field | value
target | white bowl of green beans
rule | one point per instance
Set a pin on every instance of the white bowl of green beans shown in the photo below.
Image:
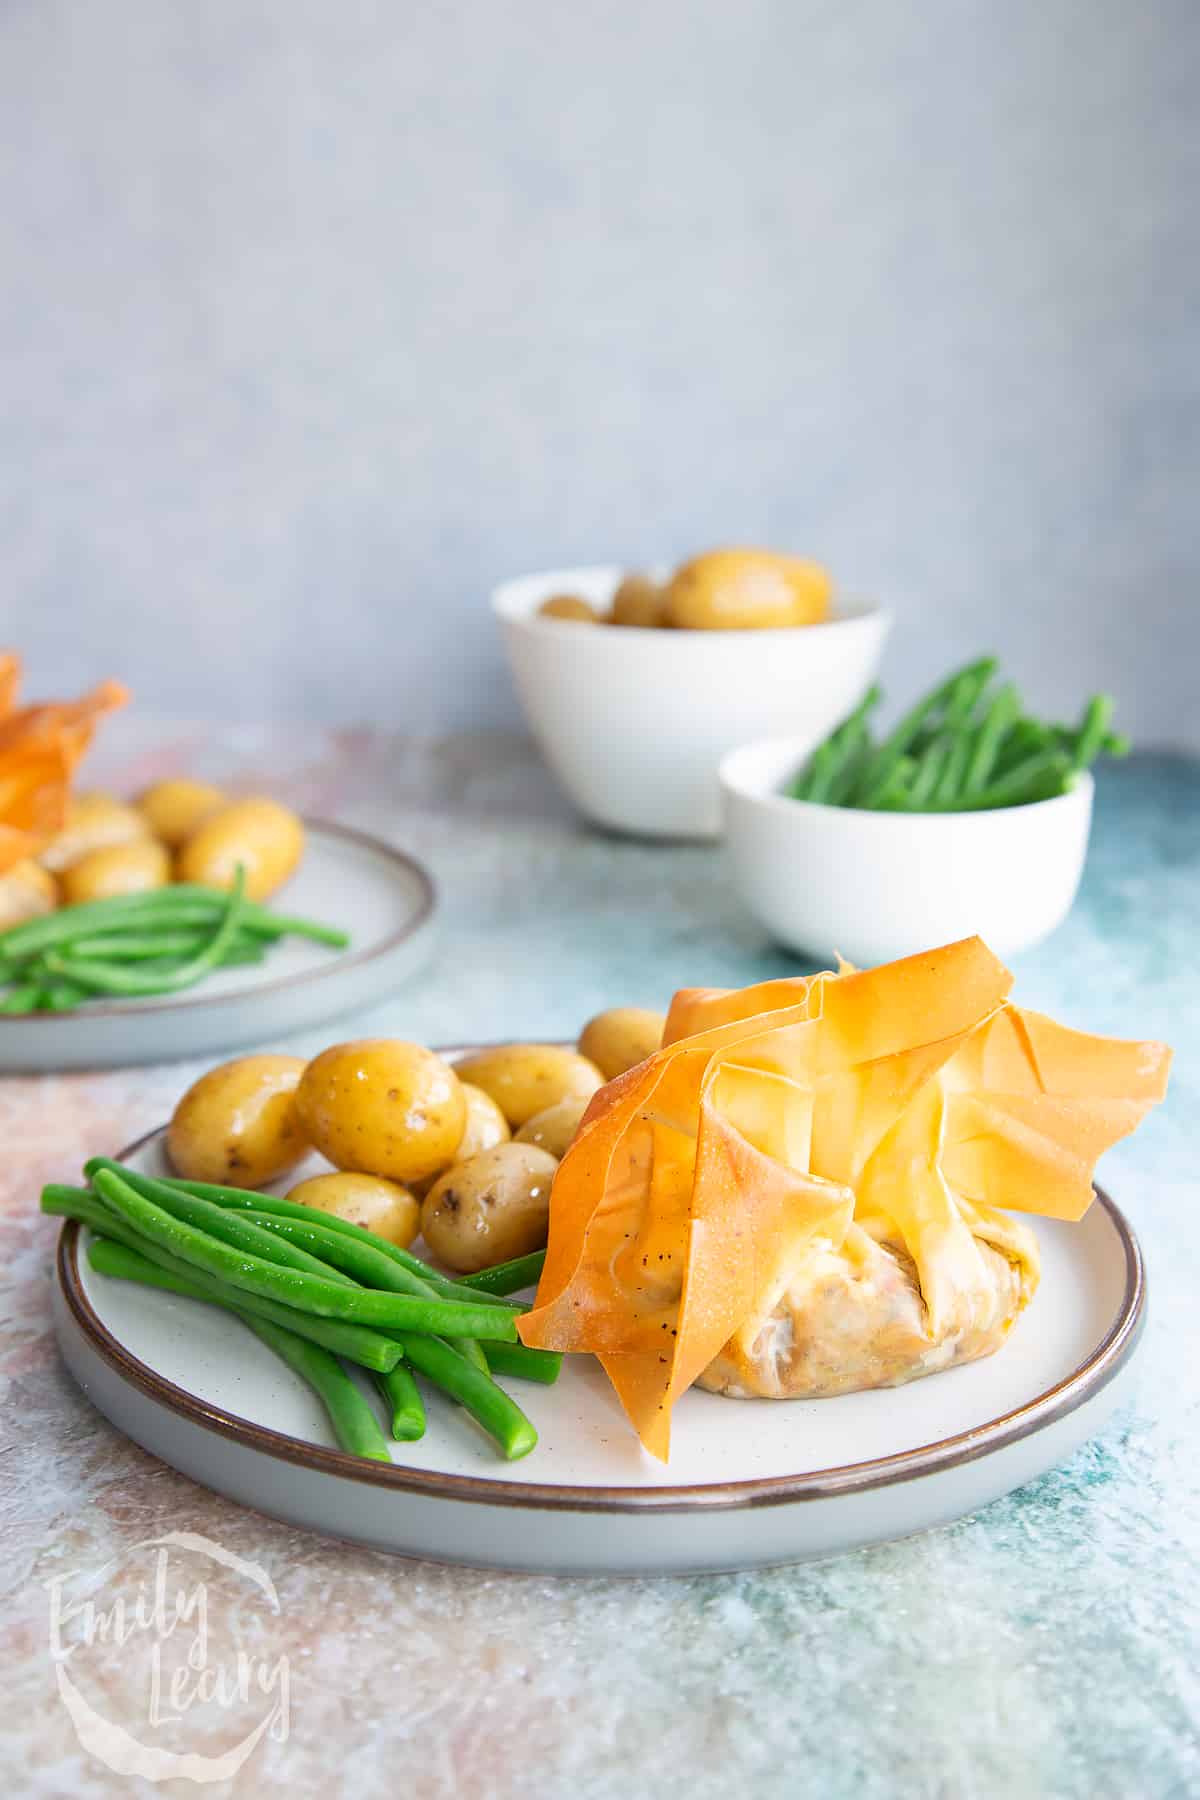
(967, 817)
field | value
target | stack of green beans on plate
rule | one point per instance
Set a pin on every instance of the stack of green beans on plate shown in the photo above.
(140, 945)
(967, 746)
(318, 1291)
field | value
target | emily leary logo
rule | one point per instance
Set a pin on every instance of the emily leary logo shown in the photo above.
(180, 1677)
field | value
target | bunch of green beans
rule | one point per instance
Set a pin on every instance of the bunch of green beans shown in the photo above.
(135, 945)
(316, 1288)
(966, 746)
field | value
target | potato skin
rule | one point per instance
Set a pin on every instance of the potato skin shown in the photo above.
(489, 1208)
(265, 837)
(175, 809)
(639, 600)
(237, 1125)
(747, 590)
(554, 1129)
(133, 868)
(383, 1207)
(27, 891)
(95, 821)
(569, 606)
(381, 1106)
(524, 1079)
(621, 1038)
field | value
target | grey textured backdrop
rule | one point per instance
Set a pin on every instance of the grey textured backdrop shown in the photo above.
(316, 318)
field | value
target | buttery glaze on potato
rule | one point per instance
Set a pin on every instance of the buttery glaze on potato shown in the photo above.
(554, 1129)
(524, 1079)
(383, 1107)
(238, 1124)
(133, 868)
(175, 809)
(95, 821)
(569, 606)
(489, 1208)
(381, 1206)
(621, 1038)
(265, 837)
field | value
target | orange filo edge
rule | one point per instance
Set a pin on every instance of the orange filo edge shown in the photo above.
(776, 1114)
(40, 747)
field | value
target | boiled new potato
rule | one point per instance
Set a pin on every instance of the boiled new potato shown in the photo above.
(95, 821)
(554, 1129)
(174, 809)
(383, 1207)
(639, 601)
(383, 1107)
(486, 1125)
(620, 1038)
(746, 590)
(26, 892)
(132, 868)
(265, 837)
(237, 1125)
(524, 1079)
(569, 606)
(492, 1207)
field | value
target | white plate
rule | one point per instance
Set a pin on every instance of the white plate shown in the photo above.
(750, 1483)
(383, 898)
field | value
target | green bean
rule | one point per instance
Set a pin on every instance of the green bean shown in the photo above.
(181, 904)
(928, 774)
(524, 1362)
(156, 946)
(950, 781)
(967, 679)
(354, 1424)
(403, 1400)
(478, 1393)
(829, 758)
(1042, 776)
(241, 1199)
(113, 978)
(506, 1277)
(999, 717)
(23, 998)
(309, 1293)
(1092, 731)
(233, 1228)
(374, 1350)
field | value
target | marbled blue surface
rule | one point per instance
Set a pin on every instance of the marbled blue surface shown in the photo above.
(1043, 1648)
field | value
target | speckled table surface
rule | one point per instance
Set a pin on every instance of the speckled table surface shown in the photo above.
(1046, 1646)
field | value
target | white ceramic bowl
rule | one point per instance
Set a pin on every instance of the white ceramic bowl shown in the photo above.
(634, 722)
(874, 885)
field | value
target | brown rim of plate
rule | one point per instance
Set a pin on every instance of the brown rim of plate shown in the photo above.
(1092, 1375)
(339, 960)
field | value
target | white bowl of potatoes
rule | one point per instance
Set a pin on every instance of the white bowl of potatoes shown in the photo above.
(635, 686)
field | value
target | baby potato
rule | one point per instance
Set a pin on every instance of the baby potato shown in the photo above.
(266, 838)
(524, 1079)
(554, 1129)
(27, 891)
(383, 1107)
(746, 590)
(383, 1207)
(620, 1038)
(174, 809)
(132, 868)
(95, 821)
(639, 601)
(486, 1125)
(569, 606)
(237, 1125)
(489, 1208)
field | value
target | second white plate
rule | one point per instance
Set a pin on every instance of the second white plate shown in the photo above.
(383, 898)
